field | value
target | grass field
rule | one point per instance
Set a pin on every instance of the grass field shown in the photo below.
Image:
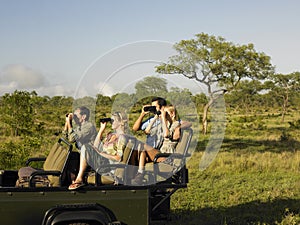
(254, 179)
(252, 188)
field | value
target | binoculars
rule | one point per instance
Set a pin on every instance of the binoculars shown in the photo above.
(103, 120)
(151, 109)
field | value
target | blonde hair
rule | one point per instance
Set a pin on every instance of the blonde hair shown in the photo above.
(122, 118)
(172, 109)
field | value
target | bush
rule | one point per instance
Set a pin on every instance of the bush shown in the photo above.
(295, 125)
(290, 219)
(285, 136)
(14, 153)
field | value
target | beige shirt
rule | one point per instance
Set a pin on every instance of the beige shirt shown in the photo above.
(169, 144)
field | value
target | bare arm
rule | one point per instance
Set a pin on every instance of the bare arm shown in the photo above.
(147, 130)
(136, 126)
(165, 123)
(138, 122)
(174, 132)
(176, 135)
(68, 125)
(100, 134)
(111, 157)
(185, 124)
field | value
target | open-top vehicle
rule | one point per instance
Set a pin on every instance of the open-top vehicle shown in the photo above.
(43, 197)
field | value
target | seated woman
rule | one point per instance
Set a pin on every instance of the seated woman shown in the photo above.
(111, 148)
(171, 132)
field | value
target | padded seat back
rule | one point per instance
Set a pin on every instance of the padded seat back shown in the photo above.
(57, 161)
(54, 171)
(56, 158)
(174, 163)
(122, 171)
(182, 148)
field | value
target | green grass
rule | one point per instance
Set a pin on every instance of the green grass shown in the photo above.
(250, 188)
(255, 178)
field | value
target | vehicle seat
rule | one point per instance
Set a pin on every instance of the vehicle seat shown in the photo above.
(173, 168)
(54, 171)
(123, 171)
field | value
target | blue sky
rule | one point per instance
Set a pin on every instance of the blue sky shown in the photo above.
(53, 46)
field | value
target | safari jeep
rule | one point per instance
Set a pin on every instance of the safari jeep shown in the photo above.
(43, 197)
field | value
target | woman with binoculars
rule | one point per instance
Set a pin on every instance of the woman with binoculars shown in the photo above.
(109, 147)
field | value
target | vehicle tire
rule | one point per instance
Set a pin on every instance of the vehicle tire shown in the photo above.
(79, 224)
(85, 223)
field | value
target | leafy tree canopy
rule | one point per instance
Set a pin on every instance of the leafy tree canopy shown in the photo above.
(151, 86)
(17, 112)
(213, 60)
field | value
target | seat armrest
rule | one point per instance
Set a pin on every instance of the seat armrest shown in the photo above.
(176, 156)
(40, 159)
(171, 155)
(160, 155)
(42, 173)
(110, 166)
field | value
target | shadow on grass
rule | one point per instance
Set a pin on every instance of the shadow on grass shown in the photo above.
(290, 145)
(250, 213)
(249, 145)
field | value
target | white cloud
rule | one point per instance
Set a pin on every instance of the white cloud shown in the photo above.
(22, 77)
(55, 90)
(8, 87)
(104, 89)
(85, 89)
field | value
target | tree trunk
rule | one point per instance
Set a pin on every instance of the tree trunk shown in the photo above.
(284, 106)
(205, 113)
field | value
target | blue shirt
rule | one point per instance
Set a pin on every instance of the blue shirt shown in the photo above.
(155, 137)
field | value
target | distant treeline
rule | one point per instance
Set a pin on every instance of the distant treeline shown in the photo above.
(30, 123)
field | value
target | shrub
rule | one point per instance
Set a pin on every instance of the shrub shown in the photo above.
(14, 153)
(294, 125)
(290, 219)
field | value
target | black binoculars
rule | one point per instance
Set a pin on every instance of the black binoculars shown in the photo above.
(151, 109)
(103, 120)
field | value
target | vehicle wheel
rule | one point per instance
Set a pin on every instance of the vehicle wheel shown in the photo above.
(88, 223)
(79, 224)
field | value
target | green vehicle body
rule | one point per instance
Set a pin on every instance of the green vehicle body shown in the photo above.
(30, 207)
(127, 204)
(104, 204)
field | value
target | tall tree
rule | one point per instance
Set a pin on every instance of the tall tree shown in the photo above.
(282, 86)
(215, 62)
(151, 86)
(122, 102)
(245, 96)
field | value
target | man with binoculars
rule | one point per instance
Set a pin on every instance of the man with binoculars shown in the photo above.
(152, 127)
(85, 132)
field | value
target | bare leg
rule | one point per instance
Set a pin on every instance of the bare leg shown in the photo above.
(82, 167)
(150, 152)
(142, 160)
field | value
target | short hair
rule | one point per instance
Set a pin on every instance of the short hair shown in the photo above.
(161, 101)
(85, 111)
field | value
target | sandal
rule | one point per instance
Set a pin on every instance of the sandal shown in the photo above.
(76, 185)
